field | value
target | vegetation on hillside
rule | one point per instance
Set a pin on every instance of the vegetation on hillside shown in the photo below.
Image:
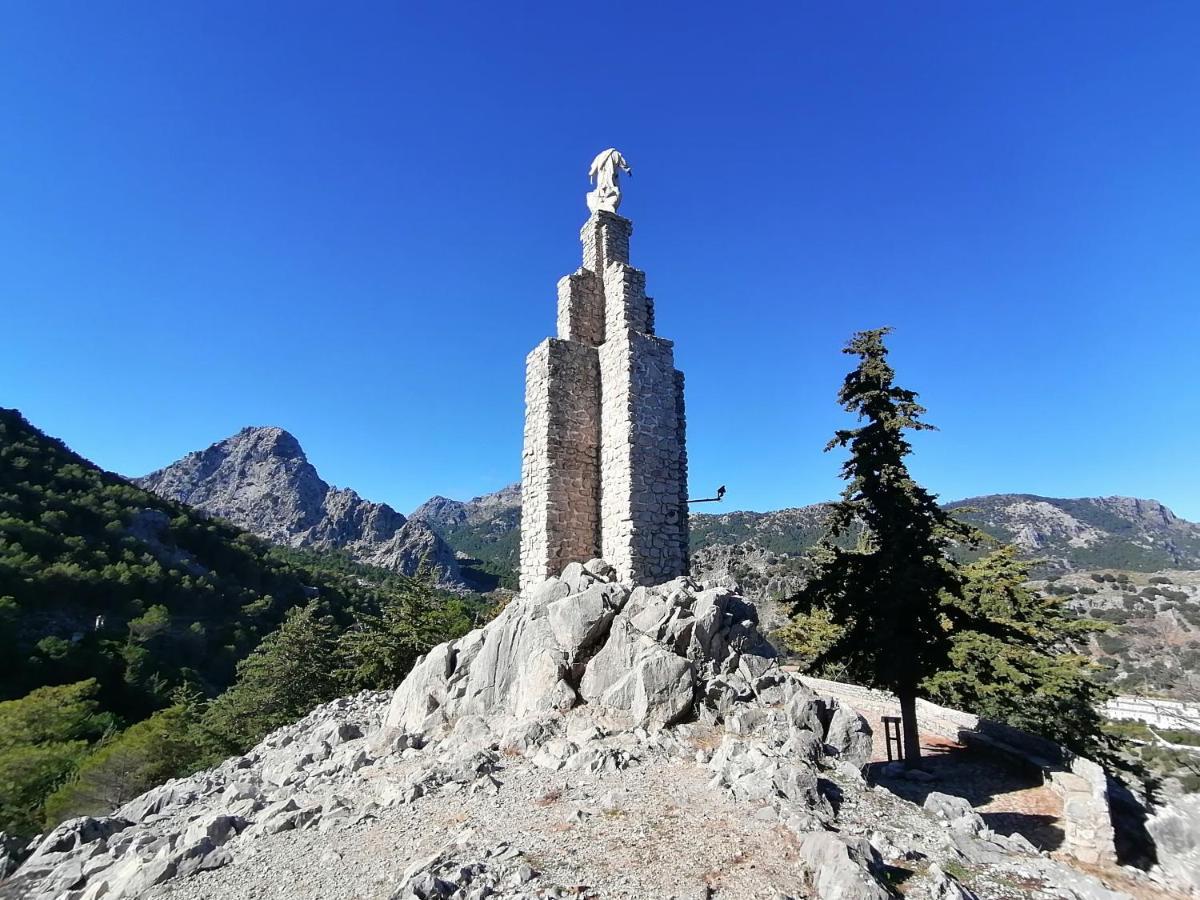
(1152, 645)
(126, 611)
(1163, 753)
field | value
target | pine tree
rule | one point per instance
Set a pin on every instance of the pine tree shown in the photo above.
(893, 592)
(287, 675)
(1013, 659)
(43, 736)
(379, 650)
(169, 744)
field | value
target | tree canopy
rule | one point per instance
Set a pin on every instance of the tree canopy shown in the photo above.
(1013, 658)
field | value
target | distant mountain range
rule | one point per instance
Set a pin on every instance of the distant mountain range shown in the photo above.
(1064, 534)
(261, 480)
(1090, 532)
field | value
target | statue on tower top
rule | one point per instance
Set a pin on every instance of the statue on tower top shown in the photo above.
(605, 173)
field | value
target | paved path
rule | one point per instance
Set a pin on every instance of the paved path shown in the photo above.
(1009, 798)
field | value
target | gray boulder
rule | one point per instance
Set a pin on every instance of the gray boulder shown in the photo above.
(850, 736)
(957, 811)
(806, 712)
(659, 691)
(579, 622)
(944, 886)
(75, 833)
(1175, 829)
(842, 868)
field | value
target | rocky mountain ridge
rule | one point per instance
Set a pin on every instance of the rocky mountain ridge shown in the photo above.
(1063, 534)
(1088, 532)
(261, 480)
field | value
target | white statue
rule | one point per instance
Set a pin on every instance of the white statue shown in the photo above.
(604, 173)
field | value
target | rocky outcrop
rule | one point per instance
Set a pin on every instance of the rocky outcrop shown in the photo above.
(842, 869)
(538, 756)
(643, 656)
(261, 480)
(1175, 828)
(11, 853)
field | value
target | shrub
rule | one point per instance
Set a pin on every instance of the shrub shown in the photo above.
(1112, 644)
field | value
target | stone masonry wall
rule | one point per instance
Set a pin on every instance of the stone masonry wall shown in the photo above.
(681, 484)
(605, 239)
(581, 308)
(559, 466)
(604, 466)
(642, 532)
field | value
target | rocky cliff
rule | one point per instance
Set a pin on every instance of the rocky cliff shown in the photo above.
(261, 480)
(1089, 532)
(486, 528)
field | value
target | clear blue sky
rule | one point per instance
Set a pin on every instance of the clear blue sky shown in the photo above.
(348, 220)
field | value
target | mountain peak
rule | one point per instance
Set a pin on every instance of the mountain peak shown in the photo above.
(268, 439)
(261, 480)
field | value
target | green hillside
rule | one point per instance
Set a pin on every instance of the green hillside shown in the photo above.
(115, 604)
(102, 579)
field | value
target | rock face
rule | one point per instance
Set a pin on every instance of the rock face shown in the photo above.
(261, 480)
(592, 740)
(642, 656)
(1090, 532)
(501, 508)
(1176, 833)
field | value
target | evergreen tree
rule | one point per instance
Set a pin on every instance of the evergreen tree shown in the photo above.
(170, 744)
(1012, 659)
(43, 736)
(893, 592)
(287, 675)
(379, 650)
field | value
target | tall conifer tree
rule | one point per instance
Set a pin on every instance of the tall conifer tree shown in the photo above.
(893, 591)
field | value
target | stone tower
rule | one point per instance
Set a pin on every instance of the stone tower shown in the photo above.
(604, 468)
